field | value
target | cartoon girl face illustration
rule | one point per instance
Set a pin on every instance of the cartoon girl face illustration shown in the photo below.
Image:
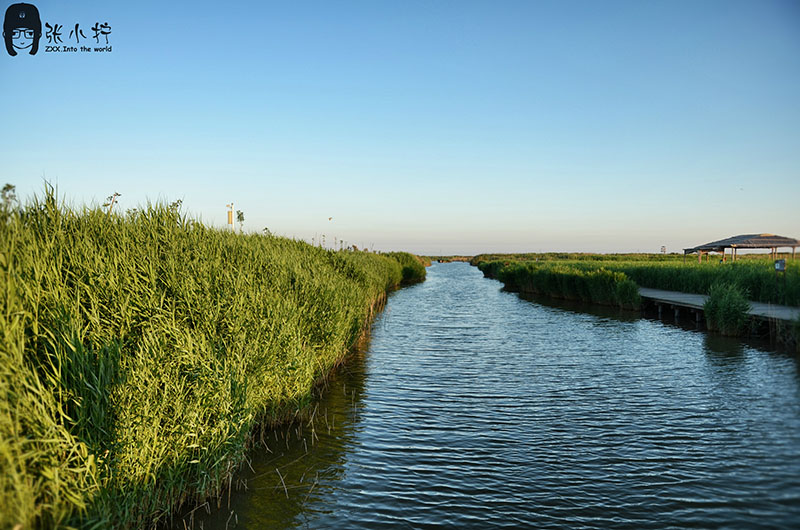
(22, 29)
(22, 38)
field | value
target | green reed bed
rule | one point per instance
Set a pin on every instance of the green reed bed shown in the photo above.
(138, 352)
(726, 309)
(574, 256)
(754, 275)
(731, 286)
(599, 286)
(629, 257)
(448, 259)
(413, 266)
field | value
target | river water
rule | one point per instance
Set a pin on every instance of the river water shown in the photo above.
(471, 407)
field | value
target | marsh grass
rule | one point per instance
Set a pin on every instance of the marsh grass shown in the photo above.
(139, 351)
(755, 275)
(616, 281)
(726, 309)
(413, 267)
(599, 286)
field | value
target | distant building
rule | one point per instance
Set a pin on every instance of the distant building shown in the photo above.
(749, 241)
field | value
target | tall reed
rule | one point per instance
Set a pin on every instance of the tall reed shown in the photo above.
(138, 352)
(726, 309)
(755, 275)
(413, 266)
(599, 286)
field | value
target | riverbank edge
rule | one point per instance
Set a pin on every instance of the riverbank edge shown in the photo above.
(275, 416)
(140, 351)
(413, 273)
(600, 287)
(276, 419)
(784, 334)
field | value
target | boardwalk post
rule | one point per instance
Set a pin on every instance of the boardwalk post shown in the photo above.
(695, 302)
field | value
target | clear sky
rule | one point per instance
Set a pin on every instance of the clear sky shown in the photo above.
(429, 126)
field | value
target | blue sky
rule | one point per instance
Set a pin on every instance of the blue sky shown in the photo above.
(430, 126)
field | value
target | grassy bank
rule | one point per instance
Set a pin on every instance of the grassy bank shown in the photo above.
(448, 259)
(614, 280)
(599, 286)
(754, 275)
(138, 352)
(413, 267)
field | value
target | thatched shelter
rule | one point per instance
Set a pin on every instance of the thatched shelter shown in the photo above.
(734, 243)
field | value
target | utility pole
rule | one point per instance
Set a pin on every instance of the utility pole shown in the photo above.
(230, 216)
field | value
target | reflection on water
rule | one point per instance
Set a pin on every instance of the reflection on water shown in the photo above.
(475, 408)
(721, 346)
(577, 306)
(725, 355)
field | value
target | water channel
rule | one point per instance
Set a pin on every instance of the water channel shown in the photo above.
(471, 407)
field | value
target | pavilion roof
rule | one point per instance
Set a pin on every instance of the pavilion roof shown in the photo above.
(746, 241)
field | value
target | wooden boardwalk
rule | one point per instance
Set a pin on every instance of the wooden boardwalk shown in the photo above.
(694, 302)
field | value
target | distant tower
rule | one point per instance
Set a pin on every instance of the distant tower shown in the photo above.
(230, 215)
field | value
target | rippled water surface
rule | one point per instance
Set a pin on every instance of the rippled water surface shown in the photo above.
(472, 407)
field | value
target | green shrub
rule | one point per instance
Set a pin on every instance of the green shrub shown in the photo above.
(726, 309)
